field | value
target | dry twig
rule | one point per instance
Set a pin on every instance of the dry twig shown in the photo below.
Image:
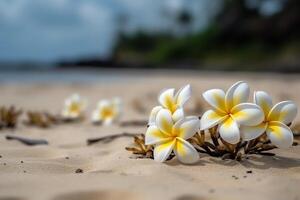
(27, 141)
(109, 138)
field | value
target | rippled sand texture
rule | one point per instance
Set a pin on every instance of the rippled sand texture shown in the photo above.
(110, 172)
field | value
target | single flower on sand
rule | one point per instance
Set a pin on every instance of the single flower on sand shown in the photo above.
(230, 110)
(107, 111)
(168, 135)
(275, 122)
(173, 102)
(74, 107)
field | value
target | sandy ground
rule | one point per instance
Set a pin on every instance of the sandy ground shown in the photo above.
(110, 172)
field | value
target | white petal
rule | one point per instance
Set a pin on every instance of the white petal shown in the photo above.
(103, 103)
(75, 97)
(68, 102)
(185, 152)
(167, 100)
(186, 128)
(280, 134)
(183, 95)
(117, 104)
(215, 98)
(162, 151)
(96, 117)
(284, 112)
(117, 101)
(108, 121)
(262, 99)
(164, 121)
(154, 136)
(252, 132)
(236, 94)
(247, 114)
(153, 114)
(178, 114)
(229, 131)
(210, 119)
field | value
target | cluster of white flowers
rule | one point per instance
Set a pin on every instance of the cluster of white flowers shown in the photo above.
(236, 119)
(106, 112)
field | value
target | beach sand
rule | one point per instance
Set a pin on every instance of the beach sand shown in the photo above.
(110, 172)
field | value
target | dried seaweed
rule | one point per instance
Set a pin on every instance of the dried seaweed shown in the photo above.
(9, 117)
(144, 151)
(42, 119)
(296, 130)
(217, 147)
(71, 120)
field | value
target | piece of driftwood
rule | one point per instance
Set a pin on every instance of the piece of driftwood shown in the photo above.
(109, 138)
(27, 141)
(134, 123)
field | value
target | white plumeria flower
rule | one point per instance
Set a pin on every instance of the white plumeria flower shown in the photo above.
(74, 107)
(173, 102)
(276, 118)
(168, 135)
(107, 111)
(230, 111)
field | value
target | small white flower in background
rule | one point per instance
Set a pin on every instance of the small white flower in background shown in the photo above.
(229, 111)
(74, 107)
(275, 122)
(168, 135)
(107, 111)
(173, 102)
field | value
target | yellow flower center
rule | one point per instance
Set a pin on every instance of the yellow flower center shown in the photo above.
(107, 112)
(74, 108)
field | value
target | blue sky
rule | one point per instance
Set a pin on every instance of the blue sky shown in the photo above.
(49, 30)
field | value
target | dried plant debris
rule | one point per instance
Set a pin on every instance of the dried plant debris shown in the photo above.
(109, 138)
(71, 120)
(42, 119)
(27, 141)
(296, 129)
(144, 151)
(9, 117)
(217, 147)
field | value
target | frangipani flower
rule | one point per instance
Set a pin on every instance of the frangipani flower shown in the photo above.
(275, 120)
(74, 107)
(173, 102)
(107, 111)
(168, 135)
(230, 111)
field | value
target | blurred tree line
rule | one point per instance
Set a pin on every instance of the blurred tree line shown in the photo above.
(240, 37)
